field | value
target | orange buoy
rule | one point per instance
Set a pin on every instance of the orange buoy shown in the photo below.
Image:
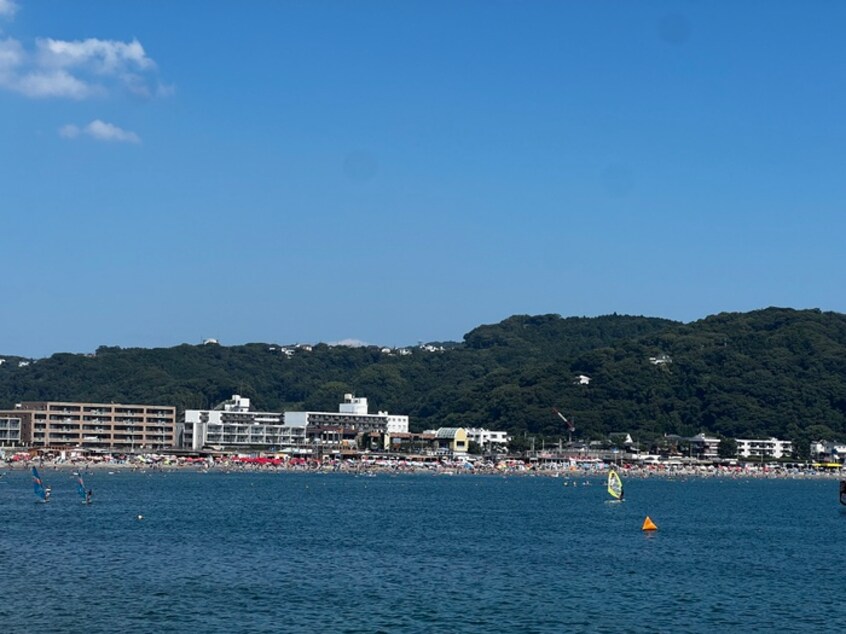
(649, 525)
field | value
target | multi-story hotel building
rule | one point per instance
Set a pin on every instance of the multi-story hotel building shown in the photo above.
(233, 425)
(65, 425)
(352, 414)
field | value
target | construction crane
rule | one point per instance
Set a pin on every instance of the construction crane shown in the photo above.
(570, 426)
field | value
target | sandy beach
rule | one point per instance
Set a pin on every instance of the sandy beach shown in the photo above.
(443, 467)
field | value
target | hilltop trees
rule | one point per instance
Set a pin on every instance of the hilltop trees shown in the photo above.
(774, 372)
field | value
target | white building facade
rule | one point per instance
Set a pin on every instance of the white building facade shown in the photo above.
(233, 425)
(351, 414)
(488, 439)
(772, 448)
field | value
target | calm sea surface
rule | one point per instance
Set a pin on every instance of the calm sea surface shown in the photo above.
(293, 552)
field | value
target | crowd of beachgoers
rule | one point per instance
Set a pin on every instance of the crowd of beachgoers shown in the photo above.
(442, 466)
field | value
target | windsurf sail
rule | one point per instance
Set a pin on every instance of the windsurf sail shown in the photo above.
(615, 485)
(843, 492)
(80, 488)
(38, 485)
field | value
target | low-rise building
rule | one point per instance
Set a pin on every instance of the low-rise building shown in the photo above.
(487, 439)
(770, 448)
(331, 438)
(452, 440)
(828, 451)
(121, 426)
(705, 447)
(410, 443)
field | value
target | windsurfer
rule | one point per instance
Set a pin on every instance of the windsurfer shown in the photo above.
(47, 492)
(88, 496)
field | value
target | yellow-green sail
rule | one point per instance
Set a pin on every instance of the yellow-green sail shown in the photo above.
(615, 485)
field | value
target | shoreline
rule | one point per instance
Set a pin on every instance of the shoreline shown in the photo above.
(401, 467)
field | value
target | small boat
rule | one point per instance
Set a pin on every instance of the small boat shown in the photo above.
(843, 492)
(41, 492)
(615, 485)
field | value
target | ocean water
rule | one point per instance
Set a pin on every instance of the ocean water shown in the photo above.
(289, 552)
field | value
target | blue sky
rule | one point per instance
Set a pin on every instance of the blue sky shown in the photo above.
(394, 172)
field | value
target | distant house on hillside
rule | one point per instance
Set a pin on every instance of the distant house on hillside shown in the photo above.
(661, 359)
(428, 347)
(207, 342)
(581, 379)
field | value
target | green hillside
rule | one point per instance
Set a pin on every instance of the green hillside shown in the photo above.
(775, 372)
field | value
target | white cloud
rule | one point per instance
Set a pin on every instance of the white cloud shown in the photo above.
(106, 57)
(8, 8)
(350, 343)
(110, 132)
(101, 131)
(56, 83)
(11, 54)
(78, 69)
(69, 131)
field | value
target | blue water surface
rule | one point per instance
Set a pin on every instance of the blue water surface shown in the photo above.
(295, 552)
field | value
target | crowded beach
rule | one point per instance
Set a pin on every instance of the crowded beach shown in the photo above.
(432, 465)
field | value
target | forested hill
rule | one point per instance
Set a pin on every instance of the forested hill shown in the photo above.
(775, 372)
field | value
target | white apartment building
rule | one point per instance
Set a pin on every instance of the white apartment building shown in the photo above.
(762, 449)
(486, 438)
(352, 414)
(233, 425)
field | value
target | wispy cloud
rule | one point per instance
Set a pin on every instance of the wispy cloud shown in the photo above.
(350, 343)
(101, 131)
(8, 8)
(78, 69)
(57, 83)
